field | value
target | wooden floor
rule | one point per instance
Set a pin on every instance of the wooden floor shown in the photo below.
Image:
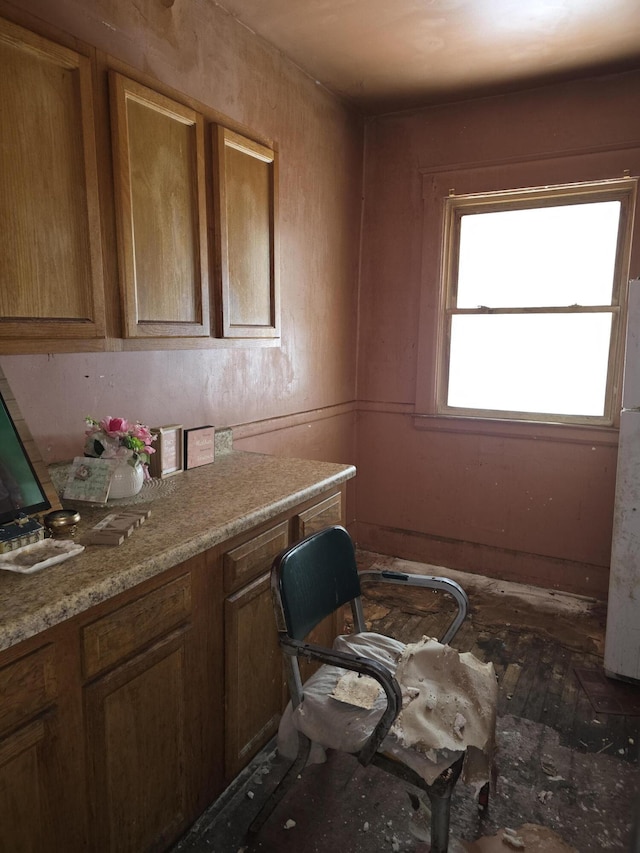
(560, 764)
(535, 651)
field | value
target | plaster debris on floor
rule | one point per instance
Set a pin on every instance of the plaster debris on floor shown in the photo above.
(450, 702)
(566, 777)
(530, 838)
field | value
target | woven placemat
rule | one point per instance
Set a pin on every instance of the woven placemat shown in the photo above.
(608, 695)
(151, 489)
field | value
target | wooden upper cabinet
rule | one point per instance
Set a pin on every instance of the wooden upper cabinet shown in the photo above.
(247, 240)
(158, 149)
(54, 294)
(51, 281)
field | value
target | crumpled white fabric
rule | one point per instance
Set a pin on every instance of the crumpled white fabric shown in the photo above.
(449, 707)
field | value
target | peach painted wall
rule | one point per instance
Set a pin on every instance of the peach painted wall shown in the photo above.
(199, 50)
(533, 506)
(529, 508)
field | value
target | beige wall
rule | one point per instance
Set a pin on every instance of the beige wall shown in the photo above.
(533, 506)
(200, 51)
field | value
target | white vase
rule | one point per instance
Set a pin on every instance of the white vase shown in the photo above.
(126, 481)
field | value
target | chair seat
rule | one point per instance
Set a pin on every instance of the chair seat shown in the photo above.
(449, 708)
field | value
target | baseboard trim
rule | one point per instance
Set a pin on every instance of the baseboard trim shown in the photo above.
(502, 564)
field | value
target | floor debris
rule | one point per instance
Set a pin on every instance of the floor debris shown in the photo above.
(549, 742)
(529, 837)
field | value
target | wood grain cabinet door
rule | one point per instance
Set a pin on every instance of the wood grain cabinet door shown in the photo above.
(255, 684)
(322, 514)
(25, 791)
(39, 806)
(137, 719)
(51, 277)
(158, 150)
(247, 237)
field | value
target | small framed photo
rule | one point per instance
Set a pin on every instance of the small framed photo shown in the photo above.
(89, 480)
(199, 448)
(167, 460)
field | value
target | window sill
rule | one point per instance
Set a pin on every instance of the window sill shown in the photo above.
(528, 430)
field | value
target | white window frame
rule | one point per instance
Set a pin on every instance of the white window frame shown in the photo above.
(456, 206)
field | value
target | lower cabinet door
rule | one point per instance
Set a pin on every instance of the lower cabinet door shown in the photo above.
(26, 786)
(322, 635)
(255, 687)
(137, 720)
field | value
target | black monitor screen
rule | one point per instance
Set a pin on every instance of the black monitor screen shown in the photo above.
(20, 489)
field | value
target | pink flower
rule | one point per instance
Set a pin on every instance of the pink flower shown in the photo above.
(118, 438)
(142, 432)
(114, 426)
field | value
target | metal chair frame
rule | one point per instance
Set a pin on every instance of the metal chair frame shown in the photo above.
(328, 558)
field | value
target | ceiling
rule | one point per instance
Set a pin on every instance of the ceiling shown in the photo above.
(387, 55)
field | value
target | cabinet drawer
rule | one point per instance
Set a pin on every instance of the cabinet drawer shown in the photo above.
(323, 514)
(27, 686)
(254, 557)
(118, 635)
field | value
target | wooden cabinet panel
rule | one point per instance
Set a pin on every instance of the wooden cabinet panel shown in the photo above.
(114, 726)
(322, 635)
(40, 807)
(23, 792)
(247, 237)
(37, 792)
(52, 285)
(51, 278)
(137, 720)
(53, 292)
(254, 557)
(255, 685)
(323, 514)
(158, 149)
(119, 634)
(255, 681)
(27, 686)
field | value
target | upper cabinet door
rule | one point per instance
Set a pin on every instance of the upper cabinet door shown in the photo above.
(158, 147)
(51, 283)
(246, 217)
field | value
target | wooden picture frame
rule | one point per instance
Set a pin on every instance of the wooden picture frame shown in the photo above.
(199, 446)
(29, 446)
(168, 459)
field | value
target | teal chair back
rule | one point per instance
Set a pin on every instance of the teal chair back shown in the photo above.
(315, 577)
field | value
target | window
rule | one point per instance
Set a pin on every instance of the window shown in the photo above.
(534, 287)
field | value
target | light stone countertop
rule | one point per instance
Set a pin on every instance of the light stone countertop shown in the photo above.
(199, 508)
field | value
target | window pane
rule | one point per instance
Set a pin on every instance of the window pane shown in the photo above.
(545, 256)
(546, 363)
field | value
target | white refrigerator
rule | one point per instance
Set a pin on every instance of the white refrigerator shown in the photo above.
(622, 643)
